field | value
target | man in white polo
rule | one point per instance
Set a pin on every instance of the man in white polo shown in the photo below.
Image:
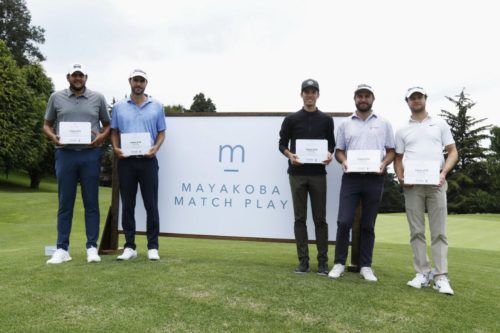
(421, 143)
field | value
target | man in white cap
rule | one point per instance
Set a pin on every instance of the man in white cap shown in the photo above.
(138, 116)
(363, 133)
(77, 162)
(420, 145)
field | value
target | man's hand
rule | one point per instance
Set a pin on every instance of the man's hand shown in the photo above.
(55, 139)
(402, 183)
(119, 153)
(152, 151)
(99, 139)
(294, 158)
(442, 179)
(329, 158)
(344, 165)
(381, 168)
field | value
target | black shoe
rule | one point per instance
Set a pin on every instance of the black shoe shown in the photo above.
(303, 267)
(323, 269)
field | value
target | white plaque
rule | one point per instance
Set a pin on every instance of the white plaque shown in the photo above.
(363, 160)
(135, 143)
(71, 132)
(417, 172)
(311, 151)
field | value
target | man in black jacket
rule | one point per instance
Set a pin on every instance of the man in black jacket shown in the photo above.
(308, 178)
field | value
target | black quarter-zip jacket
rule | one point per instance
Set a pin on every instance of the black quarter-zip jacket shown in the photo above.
(306, 125)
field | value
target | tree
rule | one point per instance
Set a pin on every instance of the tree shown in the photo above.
(14, 115)
(469, 183)
(174, 109)
(39, 154)
(495, 141)
(200, 104)
(466, 133)
(18, 33)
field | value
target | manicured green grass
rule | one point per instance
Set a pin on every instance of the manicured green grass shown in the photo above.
(471, 231)
(231, 286)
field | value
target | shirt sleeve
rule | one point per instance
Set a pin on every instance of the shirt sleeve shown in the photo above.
(446, 136)
(331, 136)
(161, 124)
(50, 110)
(103, 110)
(341, 140)
(284, 135)
(400, 145)
(114, 117)
(389, 136)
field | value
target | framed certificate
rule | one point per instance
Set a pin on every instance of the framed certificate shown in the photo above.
(363, 160)
(71, 132)
(135, 143)
(417, 172)
(311, 151)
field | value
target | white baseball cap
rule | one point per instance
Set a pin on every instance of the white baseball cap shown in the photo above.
(414, 90)
(363, 86)
(138, 72)
(77, 67)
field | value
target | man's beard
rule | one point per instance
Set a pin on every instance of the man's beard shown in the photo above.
(77, 89)
(364, 109)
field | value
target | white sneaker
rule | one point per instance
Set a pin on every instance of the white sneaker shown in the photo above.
(92, 255)
(419, 281)
(153, 254)
(127, 254)
(443, 285)
(367, 274)
(337, 271)
(59, 257)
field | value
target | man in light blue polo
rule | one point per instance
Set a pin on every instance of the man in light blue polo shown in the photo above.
(138, 115)
(77, 162)
(369, 136)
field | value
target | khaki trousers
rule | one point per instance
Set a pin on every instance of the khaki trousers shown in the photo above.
(417, 199)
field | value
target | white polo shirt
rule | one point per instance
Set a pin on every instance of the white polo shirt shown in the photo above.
(424, 140)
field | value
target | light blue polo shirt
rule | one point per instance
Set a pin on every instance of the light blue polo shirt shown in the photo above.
(374, 133)
(127, 117)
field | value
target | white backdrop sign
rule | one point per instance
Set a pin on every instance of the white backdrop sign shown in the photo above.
(224, 176)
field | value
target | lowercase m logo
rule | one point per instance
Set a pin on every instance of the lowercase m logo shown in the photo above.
(232, 154)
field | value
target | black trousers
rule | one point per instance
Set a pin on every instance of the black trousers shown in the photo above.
(143, 172)
(368, 188)
(315, 187)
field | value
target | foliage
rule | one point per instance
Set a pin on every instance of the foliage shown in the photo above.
(201, 104)
(466, 132)
(40, 152)
(18, 33)
(470, 183)
(174, 109)
(16, 122)
(392, 198)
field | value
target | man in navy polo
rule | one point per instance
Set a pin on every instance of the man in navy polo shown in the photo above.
(363, 131)
(138, 114)
(77, 162)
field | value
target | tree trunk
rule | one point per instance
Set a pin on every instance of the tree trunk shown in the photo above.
(35, 178)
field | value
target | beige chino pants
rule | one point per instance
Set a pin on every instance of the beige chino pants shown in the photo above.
(417, 199)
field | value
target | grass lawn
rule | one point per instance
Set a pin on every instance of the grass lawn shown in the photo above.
(231, 286)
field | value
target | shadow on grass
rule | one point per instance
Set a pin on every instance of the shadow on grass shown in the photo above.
(20, 183)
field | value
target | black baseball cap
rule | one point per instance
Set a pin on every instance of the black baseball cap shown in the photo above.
(310, 83)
